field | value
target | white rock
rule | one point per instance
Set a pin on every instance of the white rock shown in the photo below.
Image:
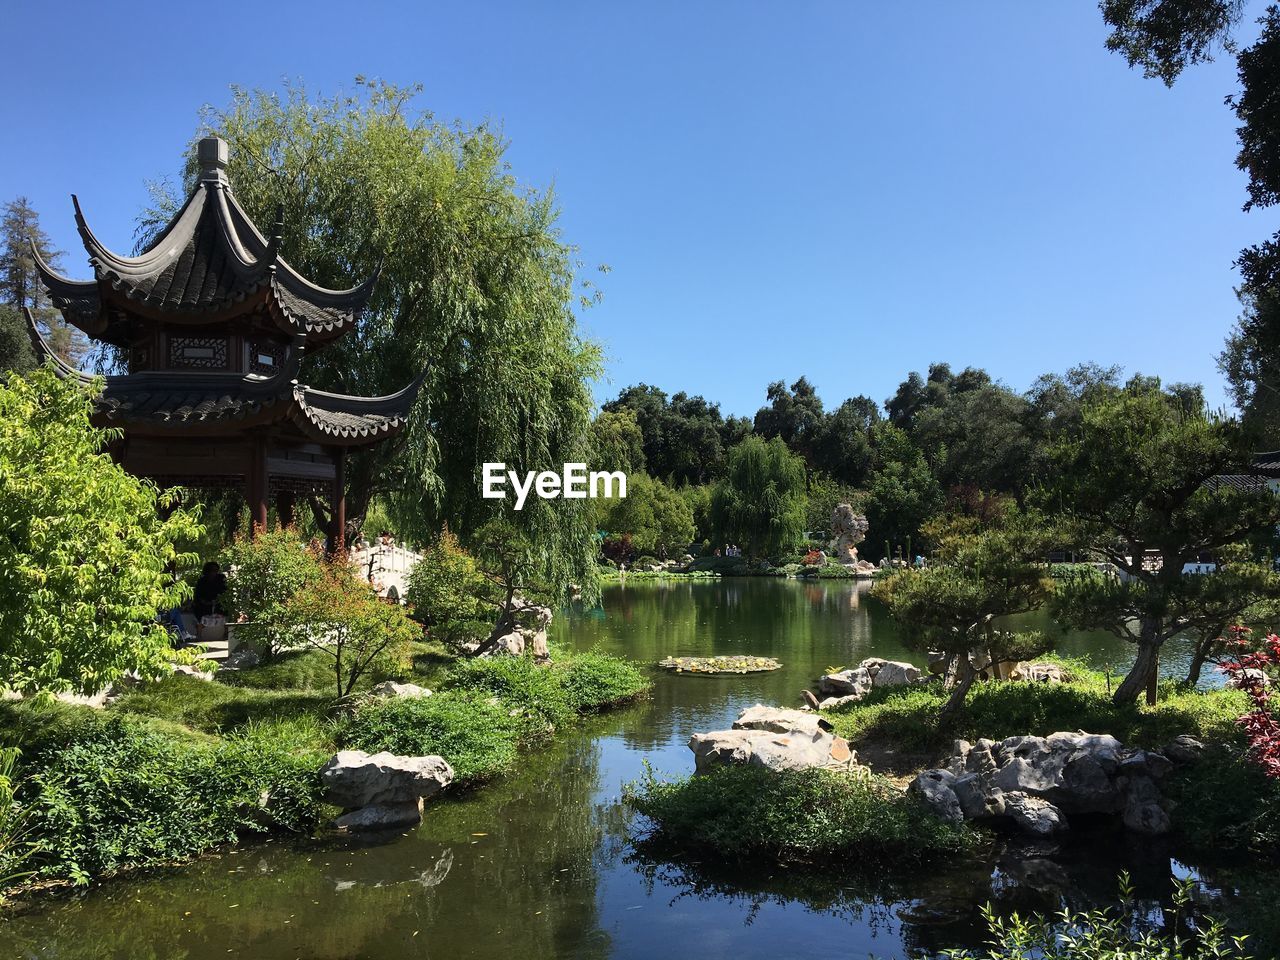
(895, 673)
(389, 689)
(766, 748)
(353, 778)
(778, 720)
(855, 682)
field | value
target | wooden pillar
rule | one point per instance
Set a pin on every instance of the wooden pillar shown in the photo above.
(284, 507)
(256, 486)
(338, 503)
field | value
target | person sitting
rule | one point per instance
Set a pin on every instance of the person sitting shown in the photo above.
(209, 588)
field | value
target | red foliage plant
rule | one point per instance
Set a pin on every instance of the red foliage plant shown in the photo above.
(812, 557)
(1254, 670)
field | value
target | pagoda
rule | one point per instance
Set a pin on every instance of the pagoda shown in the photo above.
(212, 324)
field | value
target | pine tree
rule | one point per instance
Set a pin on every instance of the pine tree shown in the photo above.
(20, 284)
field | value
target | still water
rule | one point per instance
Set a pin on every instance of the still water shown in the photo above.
(540, 865)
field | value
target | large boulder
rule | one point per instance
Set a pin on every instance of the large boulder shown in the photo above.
(1034, 815)
(774, 738)
(936, 789)
(891, 673)
(353, 778)
(854, 682)
(779, 720)
(1035, 782)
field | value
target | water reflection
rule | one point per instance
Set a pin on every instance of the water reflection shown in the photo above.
(539, 864)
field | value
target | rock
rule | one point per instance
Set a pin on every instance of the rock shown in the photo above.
(390, 690)
(1037, 781)
(382, 816)
(1147, 763)
(935, 788)
(510, 645)
(848, 529)
(241, 658)
(1143, 812)
(980, 759)
(977, 800)
(855, 682)
(835, 703)
(1183, 749)
(191, 670)
(779, 720)
(937, 662)
(353, 778)
(1033, 814)
(895, 673)
(766, 748)
(1037, 672)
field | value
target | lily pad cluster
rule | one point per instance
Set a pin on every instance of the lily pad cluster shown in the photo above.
(727, 664)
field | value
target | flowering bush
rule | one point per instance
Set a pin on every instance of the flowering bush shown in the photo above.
(1254, 671)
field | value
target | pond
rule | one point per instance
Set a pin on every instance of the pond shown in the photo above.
(539, 864)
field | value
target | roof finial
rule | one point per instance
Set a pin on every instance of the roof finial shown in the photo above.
(212, 154)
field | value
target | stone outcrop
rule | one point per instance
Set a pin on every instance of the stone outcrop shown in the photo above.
(390, 690)
(528, 634)
(870, 674)
(775, 738)
(1036, 783)
(848, 529)
(381, 790)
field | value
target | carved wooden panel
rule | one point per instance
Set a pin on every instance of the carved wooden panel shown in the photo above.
(198, 353)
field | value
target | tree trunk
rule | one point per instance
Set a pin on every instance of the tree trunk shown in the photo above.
(1142, 675)
(955, 702)
(1198, 659)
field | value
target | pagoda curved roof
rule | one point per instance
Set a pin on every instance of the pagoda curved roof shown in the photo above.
(209, 263)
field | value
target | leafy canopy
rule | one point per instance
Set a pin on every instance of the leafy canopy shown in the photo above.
(476, 286)
(85, 561)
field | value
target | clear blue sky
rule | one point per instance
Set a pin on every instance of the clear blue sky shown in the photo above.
(843, 190)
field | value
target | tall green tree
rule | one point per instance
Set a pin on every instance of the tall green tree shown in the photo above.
(760, 503)
(795, 414)
(842, 448)
(85, 560)
(1137, 484)
(657, 518)
(685, 437)
(16, 353)
(903, 495)
(20, 287)
(980, 572)
(617, 442)
(476, 286)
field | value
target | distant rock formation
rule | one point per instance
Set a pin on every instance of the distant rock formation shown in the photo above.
(848, 529)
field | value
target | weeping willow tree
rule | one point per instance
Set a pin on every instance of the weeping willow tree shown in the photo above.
(760, 504)
(476, 285)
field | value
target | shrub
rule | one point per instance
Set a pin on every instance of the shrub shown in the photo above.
(446, 585)
(596, 681)
(1130, 933)
(84, 560)
(535, 690)
(342, 616)
(265, 573)
(122, 795)
(748, 813)
(996, 709)
(472, 730)
(15, 845)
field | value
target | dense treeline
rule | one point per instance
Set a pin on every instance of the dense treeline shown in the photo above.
(945, 441)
